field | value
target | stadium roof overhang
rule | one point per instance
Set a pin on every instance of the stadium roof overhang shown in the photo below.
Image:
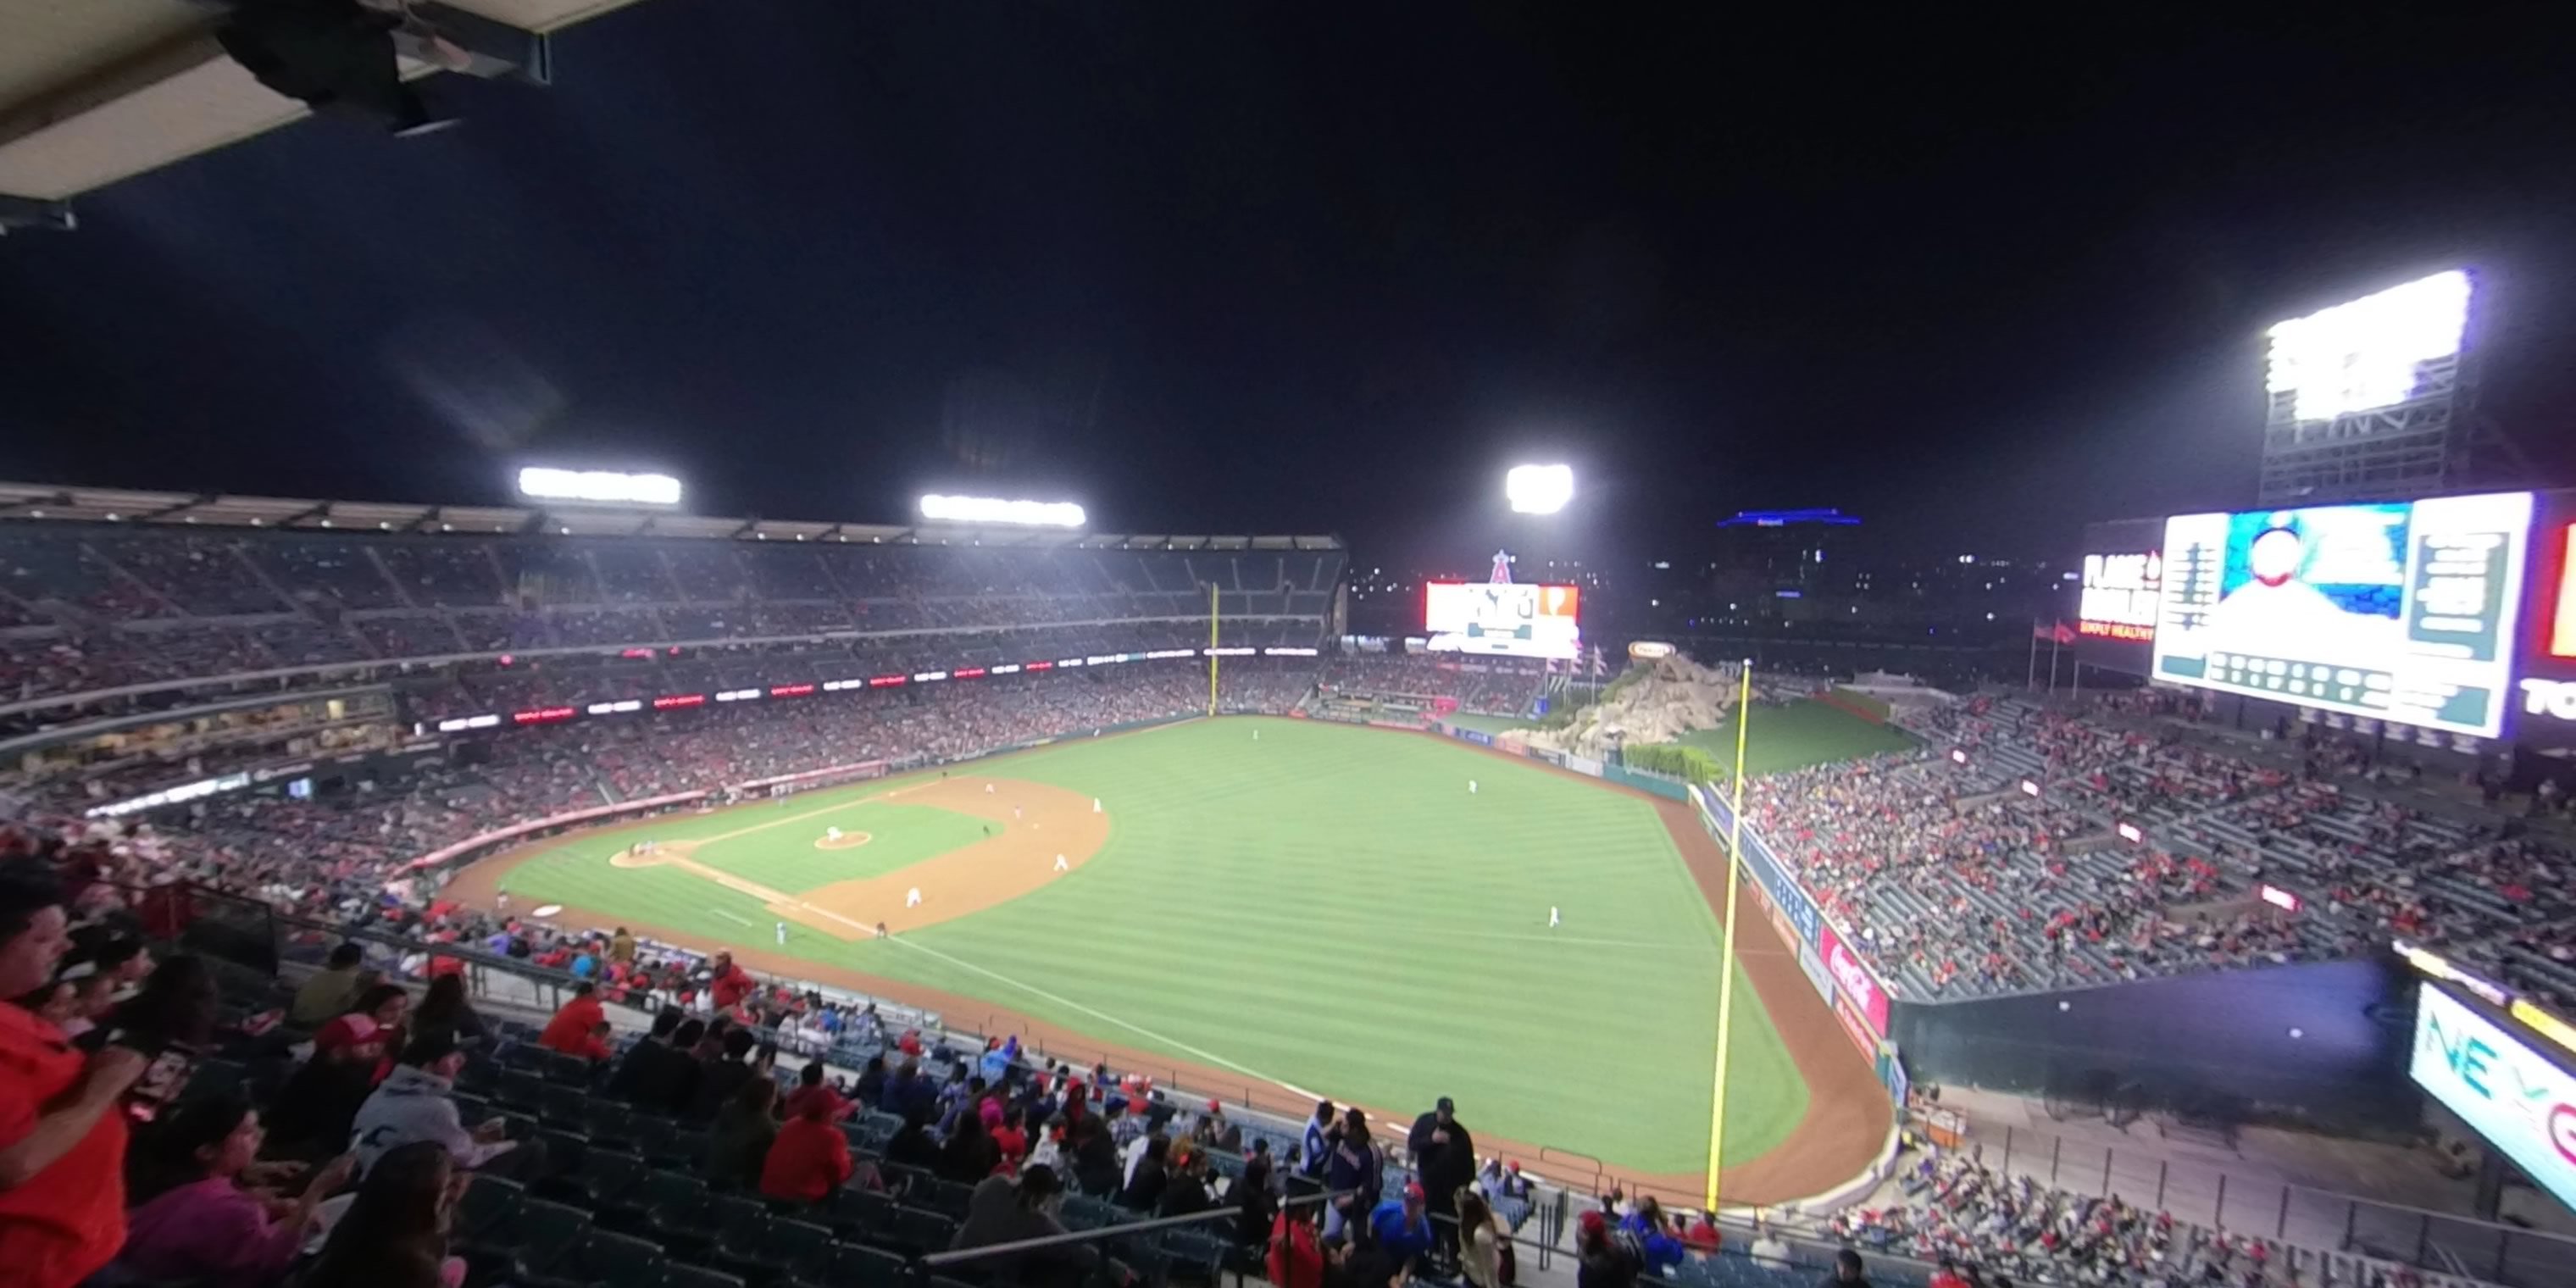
(94, 91)
(207, 509)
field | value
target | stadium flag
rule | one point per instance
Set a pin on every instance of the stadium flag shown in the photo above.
(1599, 667)
(2053, 632)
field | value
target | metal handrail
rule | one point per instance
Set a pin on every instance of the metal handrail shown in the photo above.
(1149, 1225)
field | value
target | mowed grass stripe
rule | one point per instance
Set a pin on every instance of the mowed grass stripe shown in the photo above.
(1354, 834)
(1330, 906)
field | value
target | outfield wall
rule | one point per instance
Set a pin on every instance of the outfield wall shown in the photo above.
(2220, 1042)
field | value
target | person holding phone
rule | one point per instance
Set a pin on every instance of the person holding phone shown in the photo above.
(62, 1143)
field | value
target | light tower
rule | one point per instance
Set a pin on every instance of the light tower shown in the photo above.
(2370, 399)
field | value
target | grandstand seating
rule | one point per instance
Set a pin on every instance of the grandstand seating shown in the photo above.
(86, 607)
(1960, 883)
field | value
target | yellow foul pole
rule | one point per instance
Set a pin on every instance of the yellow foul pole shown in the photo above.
(1726, 965)
(1212, 648)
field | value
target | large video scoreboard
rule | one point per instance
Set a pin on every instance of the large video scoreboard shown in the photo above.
(1512, 619)
(2396, 610)
(2454, 613)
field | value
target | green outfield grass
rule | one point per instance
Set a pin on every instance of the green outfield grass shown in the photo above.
(1325, 907)
(1805, 732)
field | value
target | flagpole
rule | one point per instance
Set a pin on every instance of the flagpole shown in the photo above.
(2052, 659)
(2030, 673)
(1726, 954)
(1212, 646)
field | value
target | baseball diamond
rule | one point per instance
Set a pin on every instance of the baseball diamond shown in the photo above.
(1227, 875)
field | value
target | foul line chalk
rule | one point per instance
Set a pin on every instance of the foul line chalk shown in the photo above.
(1138, 1029)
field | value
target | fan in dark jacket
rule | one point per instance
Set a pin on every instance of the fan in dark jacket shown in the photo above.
(745, 1129)
(1145, 1185)
(721, 1079)
(642, 1063)
(1445, 1155)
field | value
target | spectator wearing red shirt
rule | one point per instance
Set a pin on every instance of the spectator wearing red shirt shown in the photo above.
(810, 1158)
(812, 1090)
(570, 1029)
(1700, 1235)
(730, 985)
(62, 1138)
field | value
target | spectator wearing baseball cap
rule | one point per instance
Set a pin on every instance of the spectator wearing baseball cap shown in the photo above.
(313, 1112)
(1605, 1260)
(1215, 1131)
(1446, 1157)
(1402, 1227)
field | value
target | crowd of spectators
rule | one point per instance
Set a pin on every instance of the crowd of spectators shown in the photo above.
(156, 1132)
(335, 854)
(1493, 686)
(1956, 1211)
(93, 607)
(1992, 859)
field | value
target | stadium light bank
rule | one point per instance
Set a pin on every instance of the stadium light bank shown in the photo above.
(598, 487)
(1539, 489)
(987, 509)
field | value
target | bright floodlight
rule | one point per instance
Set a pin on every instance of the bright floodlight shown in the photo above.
(1539, 489)
(601, 486)
(2361, 355)
(986, 509)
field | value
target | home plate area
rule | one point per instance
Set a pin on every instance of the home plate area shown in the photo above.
(1039, 833)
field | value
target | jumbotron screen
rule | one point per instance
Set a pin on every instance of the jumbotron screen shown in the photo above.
(1512, 619)
(2399, 610)
(2123, 581)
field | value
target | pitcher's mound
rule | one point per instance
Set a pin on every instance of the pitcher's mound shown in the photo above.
(845, 841)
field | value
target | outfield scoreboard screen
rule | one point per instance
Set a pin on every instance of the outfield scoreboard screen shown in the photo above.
(2403, 611)
(1510, 619)
(2521, 1101)
(2122, 585)
(2545, 687)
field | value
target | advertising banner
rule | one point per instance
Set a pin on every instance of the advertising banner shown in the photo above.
(1789, 933)
(1860, 988)
(1583, 765)
(2521, 1101)
(1857, 1029)
(1787, 899)
(1817, 975)
(1477, 737)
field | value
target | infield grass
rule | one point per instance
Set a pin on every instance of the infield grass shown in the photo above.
(1325, 907)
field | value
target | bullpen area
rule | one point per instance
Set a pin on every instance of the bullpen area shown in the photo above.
(1281, 909)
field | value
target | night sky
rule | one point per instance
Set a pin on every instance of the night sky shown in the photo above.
(1230, 267)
